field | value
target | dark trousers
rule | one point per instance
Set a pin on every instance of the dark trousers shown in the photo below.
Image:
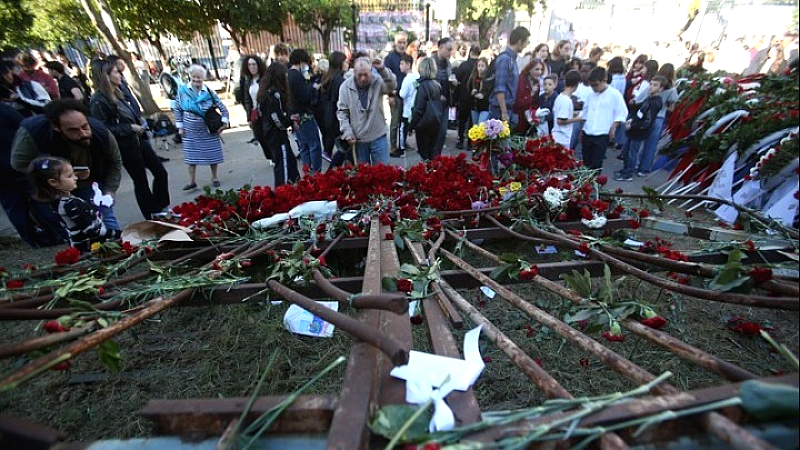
(285, 169)
(402, 134)
(463, 120)
(426, 140)
(15, 198)
(137, 160)
(439, 143)
(594, 150)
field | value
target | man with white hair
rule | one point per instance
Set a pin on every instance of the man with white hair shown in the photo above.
(360, 110)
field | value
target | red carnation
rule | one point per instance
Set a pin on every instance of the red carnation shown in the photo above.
(613, 337)
(751, 246)
(388, 236)
(404, 285)
(416, 319)
(69, 255)
(634, 224)
(644, 213)
(760, 274)
(746, 328)
(656, 322)
(487, 359)
(584, 248)
(602, 180)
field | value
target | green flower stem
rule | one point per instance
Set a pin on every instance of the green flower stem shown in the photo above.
(50, 364)
(266, 419)
(782, 350)
(401, 432)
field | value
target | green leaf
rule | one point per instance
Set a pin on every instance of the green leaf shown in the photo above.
(389, 284)
(498, 272)
(509, 257)
(389, 419)
(110, 355)
(398, 241)
(583, 314)
(652, 197)
(410, 269)
(581, 283)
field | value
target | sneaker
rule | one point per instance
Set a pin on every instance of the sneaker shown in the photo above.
(623, 178)
(326, 156)
(190, 187)
(397, 154)
(642, 174)
(216, 183)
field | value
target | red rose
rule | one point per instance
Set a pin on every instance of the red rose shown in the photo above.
(751, 246)
(746, 328)
(69, 255)
(388, 237)
(760, 274)
(634, 224)
(644, 213)
(14, 284)
(613, 337)
(404, 285)
(62, 366)
(416, 319)
(656, 322)
(602, 180)
(586, 213)
(54, 326)
(322, 261)
(487, 359)
(584, 248)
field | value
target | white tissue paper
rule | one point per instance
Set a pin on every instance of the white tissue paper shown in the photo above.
(299, 321)
(100, 199)
(433, 377)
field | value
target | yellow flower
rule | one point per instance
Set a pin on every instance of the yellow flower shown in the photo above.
(515, 186)
(506, 131)
(502, 191)
(477, 132)
(95, 246)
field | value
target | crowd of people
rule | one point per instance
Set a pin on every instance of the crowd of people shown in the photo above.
(55, 128)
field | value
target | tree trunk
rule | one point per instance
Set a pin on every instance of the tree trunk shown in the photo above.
(140, 88)
(213, 57)
(326, 39)
(160, 48)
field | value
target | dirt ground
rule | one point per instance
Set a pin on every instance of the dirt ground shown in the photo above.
(221, 351)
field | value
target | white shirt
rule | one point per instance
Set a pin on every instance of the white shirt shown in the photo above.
(601, 111)
(583, 91)
(408, 92)
(562, 109)
(253, 91)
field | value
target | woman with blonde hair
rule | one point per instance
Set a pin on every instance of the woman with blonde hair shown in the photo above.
(110, 106)
(200, 145)
(428, 90)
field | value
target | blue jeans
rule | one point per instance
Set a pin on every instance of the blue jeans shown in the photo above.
(310, 145)
(479, 116)
(631, 156)
(650, 146)
(574, 141)
(373, 152)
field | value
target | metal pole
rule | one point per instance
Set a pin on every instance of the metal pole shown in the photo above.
(354, 37)
(427, 22)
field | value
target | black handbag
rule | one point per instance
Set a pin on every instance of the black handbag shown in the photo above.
(432, 116)
(213, 118)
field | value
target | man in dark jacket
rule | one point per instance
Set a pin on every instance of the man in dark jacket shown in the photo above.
(392, 62)
(14, 186)
(445, 77)
(463, 71)
(66, 130)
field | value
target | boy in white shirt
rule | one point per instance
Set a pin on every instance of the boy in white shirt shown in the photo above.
(408, 92)
(563, 110)
(603, 112)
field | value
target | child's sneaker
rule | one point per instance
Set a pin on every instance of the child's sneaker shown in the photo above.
(622, 177)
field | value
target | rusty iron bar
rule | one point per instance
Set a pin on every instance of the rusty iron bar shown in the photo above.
(397, 304)
(464, 404)
(540, 377)
(444, 302)
(95, 338)
(42, 314)
(396, 352)
(36, 343)
(33, 302)
(718, 425)
(759, 301)
(660, 338)
(348, 430)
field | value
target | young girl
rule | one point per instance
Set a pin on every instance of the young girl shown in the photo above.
(273, 95)
(480, 101)
(53, 180)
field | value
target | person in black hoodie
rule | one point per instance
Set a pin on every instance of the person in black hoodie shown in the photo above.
(428, 91)
(110, 106)
(304, 98)
(273, 100)
(331, 82)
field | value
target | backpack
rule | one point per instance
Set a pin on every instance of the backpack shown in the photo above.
(642, 120)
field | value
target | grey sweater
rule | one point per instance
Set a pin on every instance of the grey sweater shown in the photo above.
(357, 122)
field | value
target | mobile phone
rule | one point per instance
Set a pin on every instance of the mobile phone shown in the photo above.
(80, 168)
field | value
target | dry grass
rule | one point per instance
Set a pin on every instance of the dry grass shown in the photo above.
(219, 351)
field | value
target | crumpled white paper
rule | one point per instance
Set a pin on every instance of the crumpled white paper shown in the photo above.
(100, 199)
(299, 321)
(316, 208)
(433, 377)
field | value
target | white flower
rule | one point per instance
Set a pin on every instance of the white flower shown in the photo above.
(596, 223)
(554, 197)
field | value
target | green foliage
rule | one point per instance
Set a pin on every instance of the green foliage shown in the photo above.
(243, 16)
(150, 19)
(391, 418)
(322, 16)
(17, 19)
(732, 276)
(110, 355)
